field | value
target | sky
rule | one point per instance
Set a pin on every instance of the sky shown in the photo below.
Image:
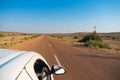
(59, 16)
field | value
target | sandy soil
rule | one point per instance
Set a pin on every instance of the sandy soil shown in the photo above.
(80, 63)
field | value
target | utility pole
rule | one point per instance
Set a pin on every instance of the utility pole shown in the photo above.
(94, 29)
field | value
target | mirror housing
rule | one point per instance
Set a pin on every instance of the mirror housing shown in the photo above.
(56, 69)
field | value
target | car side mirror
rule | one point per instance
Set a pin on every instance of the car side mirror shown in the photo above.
(56, 69)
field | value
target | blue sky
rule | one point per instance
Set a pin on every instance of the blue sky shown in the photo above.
(59, 16)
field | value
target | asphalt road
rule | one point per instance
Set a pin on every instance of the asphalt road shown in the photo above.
(80, 63)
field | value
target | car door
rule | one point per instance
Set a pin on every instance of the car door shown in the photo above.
(38, 69)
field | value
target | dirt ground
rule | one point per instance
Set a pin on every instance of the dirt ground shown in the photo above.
(80, 63)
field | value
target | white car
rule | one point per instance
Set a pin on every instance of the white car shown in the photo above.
(23, 65)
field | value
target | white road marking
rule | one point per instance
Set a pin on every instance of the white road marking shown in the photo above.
(57, 60)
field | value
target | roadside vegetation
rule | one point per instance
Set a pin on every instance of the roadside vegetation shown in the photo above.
(94, 40)
(102, 41)
(1, 35)
(10, 39)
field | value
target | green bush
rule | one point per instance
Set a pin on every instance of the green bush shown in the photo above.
(35, 36)
(96, 44)
(92, 36)
(76, 37)
(94, 41)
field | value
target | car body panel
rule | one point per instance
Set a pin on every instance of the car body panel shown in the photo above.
(29, 69)
(24, 76)
(19, 65)
(13, 64)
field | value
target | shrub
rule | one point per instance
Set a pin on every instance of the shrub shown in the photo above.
(1, 35)
(59, 37)
(35, 36)
(76, 37)
(115, 38)
(20, 41)
(105, 45)
(12, 38)
(118, 52)
(5, 43)
(96, 44)
(53, 35)
(92, 36)
(26, 38)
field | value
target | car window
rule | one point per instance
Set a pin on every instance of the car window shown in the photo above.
(42, 71)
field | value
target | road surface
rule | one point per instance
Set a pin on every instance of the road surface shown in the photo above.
(80, 63)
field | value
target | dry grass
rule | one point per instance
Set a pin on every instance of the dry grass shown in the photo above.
(10, 39)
